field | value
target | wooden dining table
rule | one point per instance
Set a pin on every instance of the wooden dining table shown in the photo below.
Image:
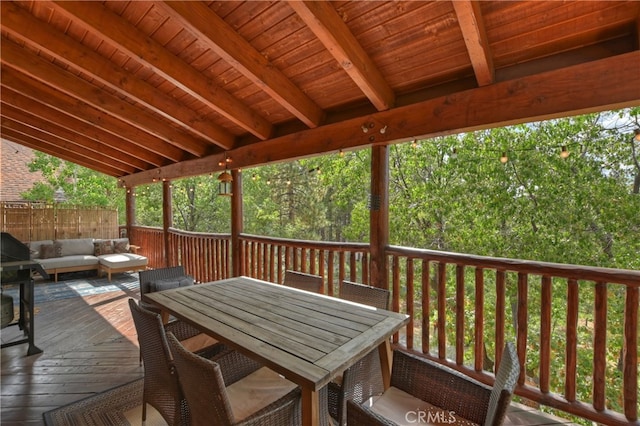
(308, 338)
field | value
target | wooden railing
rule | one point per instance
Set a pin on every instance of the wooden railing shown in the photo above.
(575, 327)
(268, 258)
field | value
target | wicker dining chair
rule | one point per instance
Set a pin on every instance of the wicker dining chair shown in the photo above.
(303, 281)
(213, 398)
(364, 378)
(447, 394)
(161, 389)
(150, 276)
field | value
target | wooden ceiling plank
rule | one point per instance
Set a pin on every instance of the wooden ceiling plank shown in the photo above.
(128, 39)
(40, 69)
(153, 150)
(126, 161)
(475, 38)
(56, 151)
(331, 30)
(63, 48)
(200, 20)
(40, 134)
(544, 96)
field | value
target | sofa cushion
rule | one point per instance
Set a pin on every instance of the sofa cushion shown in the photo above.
(122, 260)
(76, 246)
(169, 283)
(404, 409)
(34, 248)
(76, 260)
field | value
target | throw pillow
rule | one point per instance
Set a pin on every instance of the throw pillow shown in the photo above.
(48, 251)
(106, 247)
(121, 247)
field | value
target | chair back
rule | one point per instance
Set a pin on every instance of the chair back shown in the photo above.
(161, 388)
(203, 386)
(505, 382)
(302, 281)
(151, 275)
(365, 294)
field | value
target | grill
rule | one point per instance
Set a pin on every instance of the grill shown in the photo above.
(16, 268)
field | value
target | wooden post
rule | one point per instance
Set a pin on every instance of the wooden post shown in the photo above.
(236, 222)
(379, 215)
(167, 220)
(130, 209)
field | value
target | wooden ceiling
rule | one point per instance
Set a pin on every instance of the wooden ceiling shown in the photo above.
(142, 90)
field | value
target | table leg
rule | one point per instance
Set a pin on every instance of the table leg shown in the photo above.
(386, 358)
(310, 406)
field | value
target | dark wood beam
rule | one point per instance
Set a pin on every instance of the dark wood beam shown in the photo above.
(475, 38)
(552, 94)
(240, 54)
(40, 69)
(326, 24)
(44, 100)
(18, 22)
(126, 37)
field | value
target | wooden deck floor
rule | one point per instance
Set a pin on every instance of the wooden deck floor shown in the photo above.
(90, 345)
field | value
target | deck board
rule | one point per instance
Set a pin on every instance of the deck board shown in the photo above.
(90, 345)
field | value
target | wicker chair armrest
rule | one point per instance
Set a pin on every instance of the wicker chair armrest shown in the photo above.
(285, 411)
(440, 386)
(358, 415)
(234, 365)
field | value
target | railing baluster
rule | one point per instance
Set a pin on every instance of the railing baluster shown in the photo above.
(479, 320)
(522, 325)
(442, 310)
(460, 314)
(426, 307)
(395, 268)
(341, 273)
(630, 361)
(409, 302)
(321, 270)
(330, 266)
(600, 346)
(500, 316)
(572, 341)
(545, 334)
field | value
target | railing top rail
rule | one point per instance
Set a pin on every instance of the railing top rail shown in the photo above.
(578, 272)
(199, 234)
(345, 246)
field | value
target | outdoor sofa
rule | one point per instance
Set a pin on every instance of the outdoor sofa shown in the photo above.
(85, 254)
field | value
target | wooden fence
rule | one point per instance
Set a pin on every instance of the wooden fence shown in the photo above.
(32, 221)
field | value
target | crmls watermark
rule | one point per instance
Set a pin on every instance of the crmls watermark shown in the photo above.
(430, 417)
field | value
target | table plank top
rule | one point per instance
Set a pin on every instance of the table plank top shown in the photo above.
(307, 337)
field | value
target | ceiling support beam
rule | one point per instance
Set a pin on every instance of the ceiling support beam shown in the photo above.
(240, 54)
(47, 102)
(326, 24)
(475, 37)
(18, 22)
(76, 87)
(153, 55)
(548, 95)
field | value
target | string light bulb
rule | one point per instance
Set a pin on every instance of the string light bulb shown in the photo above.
(504, 158)
(564, 153)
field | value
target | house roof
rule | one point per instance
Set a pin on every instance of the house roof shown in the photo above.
(15, 177)
(143, 90)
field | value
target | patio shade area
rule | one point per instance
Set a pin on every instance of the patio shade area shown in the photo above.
(147, 91)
